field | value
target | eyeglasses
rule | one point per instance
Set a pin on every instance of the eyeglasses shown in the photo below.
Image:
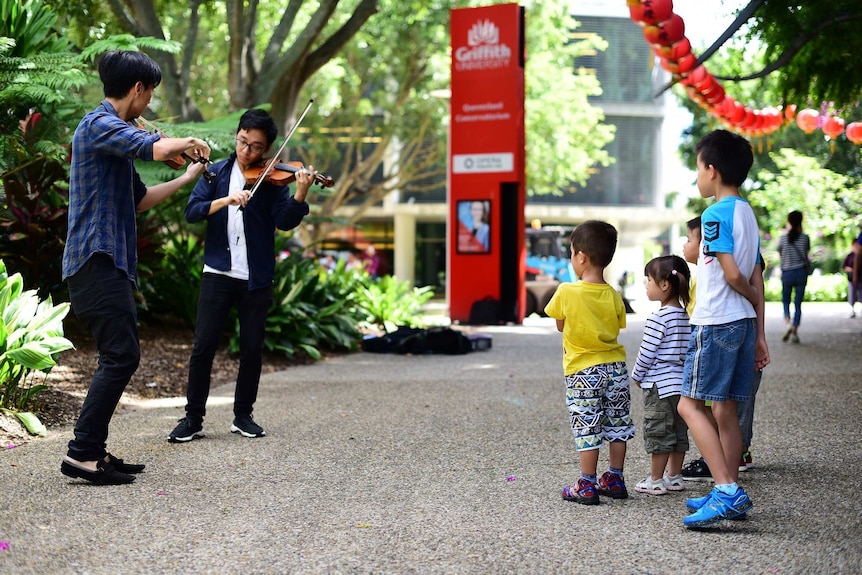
(254, 148)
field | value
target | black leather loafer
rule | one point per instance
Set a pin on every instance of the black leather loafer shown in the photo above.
(104, 475)
(124, 467)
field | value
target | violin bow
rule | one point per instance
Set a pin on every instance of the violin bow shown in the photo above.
(275, 156)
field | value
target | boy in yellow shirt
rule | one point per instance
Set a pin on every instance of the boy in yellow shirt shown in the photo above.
(590, 314)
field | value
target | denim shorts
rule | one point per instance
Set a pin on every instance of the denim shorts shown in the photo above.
(719, 363)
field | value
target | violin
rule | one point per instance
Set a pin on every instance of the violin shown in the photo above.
(283, 173)
(179, 161)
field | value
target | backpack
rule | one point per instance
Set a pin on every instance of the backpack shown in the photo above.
(486, 311)
(415, 341)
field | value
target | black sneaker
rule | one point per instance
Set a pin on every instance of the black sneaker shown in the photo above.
(697, 470)
(245, 426)
(187, 430)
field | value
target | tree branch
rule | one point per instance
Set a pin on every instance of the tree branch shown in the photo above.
(793, 49)
(744, 15)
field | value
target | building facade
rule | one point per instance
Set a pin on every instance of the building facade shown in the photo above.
(633, 193)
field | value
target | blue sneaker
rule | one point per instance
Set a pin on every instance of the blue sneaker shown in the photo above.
(695, 503)
(719, 507)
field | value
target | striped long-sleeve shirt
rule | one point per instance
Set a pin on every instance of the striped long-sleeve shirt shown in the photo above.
(794, 255)
(662, 352)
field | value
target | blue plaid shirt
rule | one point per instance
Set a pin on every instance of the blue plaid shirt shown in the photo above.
(104, 190)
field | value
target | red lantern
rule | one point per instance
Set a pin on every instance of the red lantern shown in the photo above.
(674, 51)
(833, 126)
(682, 66)
(737, 115)
(790, 112)
(665, 33)
(726, 107)
(650, 11)
(807, 120)
(854, 132)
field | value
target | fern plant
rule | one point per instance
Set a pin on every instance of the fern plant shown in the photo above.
(31, 337)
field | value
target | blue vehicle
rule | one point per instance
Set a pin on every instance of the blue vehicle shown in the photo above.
(548, 265)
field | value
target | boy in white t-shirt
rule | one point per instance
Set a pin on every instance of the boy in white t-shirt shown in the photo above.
(724, 348)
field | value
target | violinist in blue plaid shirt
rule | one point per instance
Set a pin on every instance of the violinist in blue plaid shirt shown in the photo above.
(100, 259)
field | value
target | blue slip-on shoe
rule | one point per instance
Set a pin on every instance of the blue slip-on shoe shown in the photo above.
(719, 507)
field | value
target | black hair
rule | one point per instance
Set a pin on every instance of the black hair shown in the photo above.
(673, 270)
(257, 119)
(730, 154)
(694, 224)
(120, 70)
(794, 218)
(598, 240)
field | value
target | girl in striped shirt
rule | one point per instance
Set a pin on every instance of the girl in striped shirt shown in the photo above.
(658, 371)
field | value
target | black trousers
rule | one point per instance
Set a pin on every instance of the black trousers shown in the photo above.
(103, 299)
(218, 295)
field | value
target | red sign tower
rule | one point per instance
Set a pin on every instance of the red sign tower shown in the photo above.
(487, 195)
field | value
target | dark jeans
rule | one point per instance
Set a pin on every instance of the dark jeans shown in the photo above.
(103, 299)
(745, 411)
(217, 296)
(794, 281)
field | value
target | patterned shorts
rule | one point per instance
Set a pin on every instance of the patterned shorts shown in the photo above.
(599, 404)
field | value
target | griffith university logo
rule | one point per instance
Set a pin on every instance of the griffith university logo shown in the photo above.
(483, 50)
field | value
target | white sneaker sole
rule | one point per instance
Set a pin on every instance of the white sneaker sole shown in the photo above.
(235, 429)
(191, 437)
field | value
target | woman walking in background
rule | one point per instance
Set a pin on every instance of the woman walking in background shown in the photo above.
(793, 248)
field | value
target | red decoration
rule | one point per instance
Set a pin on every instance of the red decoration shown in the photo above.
(674, 51)
(854, 132)
(833, 126)
(665, 33)
(650, 11)
(682, 66)
(807, 120)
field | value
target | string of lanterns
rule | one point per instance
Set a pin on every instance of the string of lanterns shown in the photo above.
(665, 32)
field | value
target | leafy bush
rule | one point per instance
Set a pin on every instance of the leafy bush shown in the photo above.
(389, 303)
(825, 287)
(31, 336)
(172, 285)
(34, 223)
(312, 309)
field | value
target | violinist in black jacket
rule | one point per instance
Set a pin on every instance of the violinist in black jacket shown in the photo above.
(239, 265)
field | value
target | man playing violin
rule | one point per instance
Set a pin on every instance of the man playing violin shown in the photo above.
(239, 267)
(100, 258)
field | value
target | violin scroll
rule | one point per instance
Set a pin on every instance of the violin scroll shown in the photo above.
(179, 161)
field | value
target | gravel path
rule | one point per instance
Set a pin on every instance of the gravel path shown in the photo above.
(436, 464)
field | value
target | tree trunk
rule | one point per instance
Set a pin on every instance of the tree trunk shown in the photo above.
(139, 18)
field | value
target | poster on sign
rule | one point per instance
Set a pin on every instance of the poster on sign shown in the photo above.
(474, 227)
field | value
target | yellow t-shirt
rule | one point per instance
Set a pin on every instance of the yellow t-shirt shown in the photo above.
(594, 315)
(692, 293)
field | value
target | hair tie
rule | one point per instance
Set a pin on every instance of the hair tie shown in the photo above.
(674, 272)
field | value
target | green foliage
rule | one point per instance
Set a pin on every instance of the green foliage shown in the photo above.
(826, 199)
(817, 44)
(311, 310)
(565, 131)
(34, 221)
(31, 336)
(820, 287)
(389, 303)
(172, 288)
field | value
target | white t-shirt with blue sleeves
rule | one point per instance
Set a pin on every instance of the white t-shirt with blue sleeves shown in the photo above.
(728, 226)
